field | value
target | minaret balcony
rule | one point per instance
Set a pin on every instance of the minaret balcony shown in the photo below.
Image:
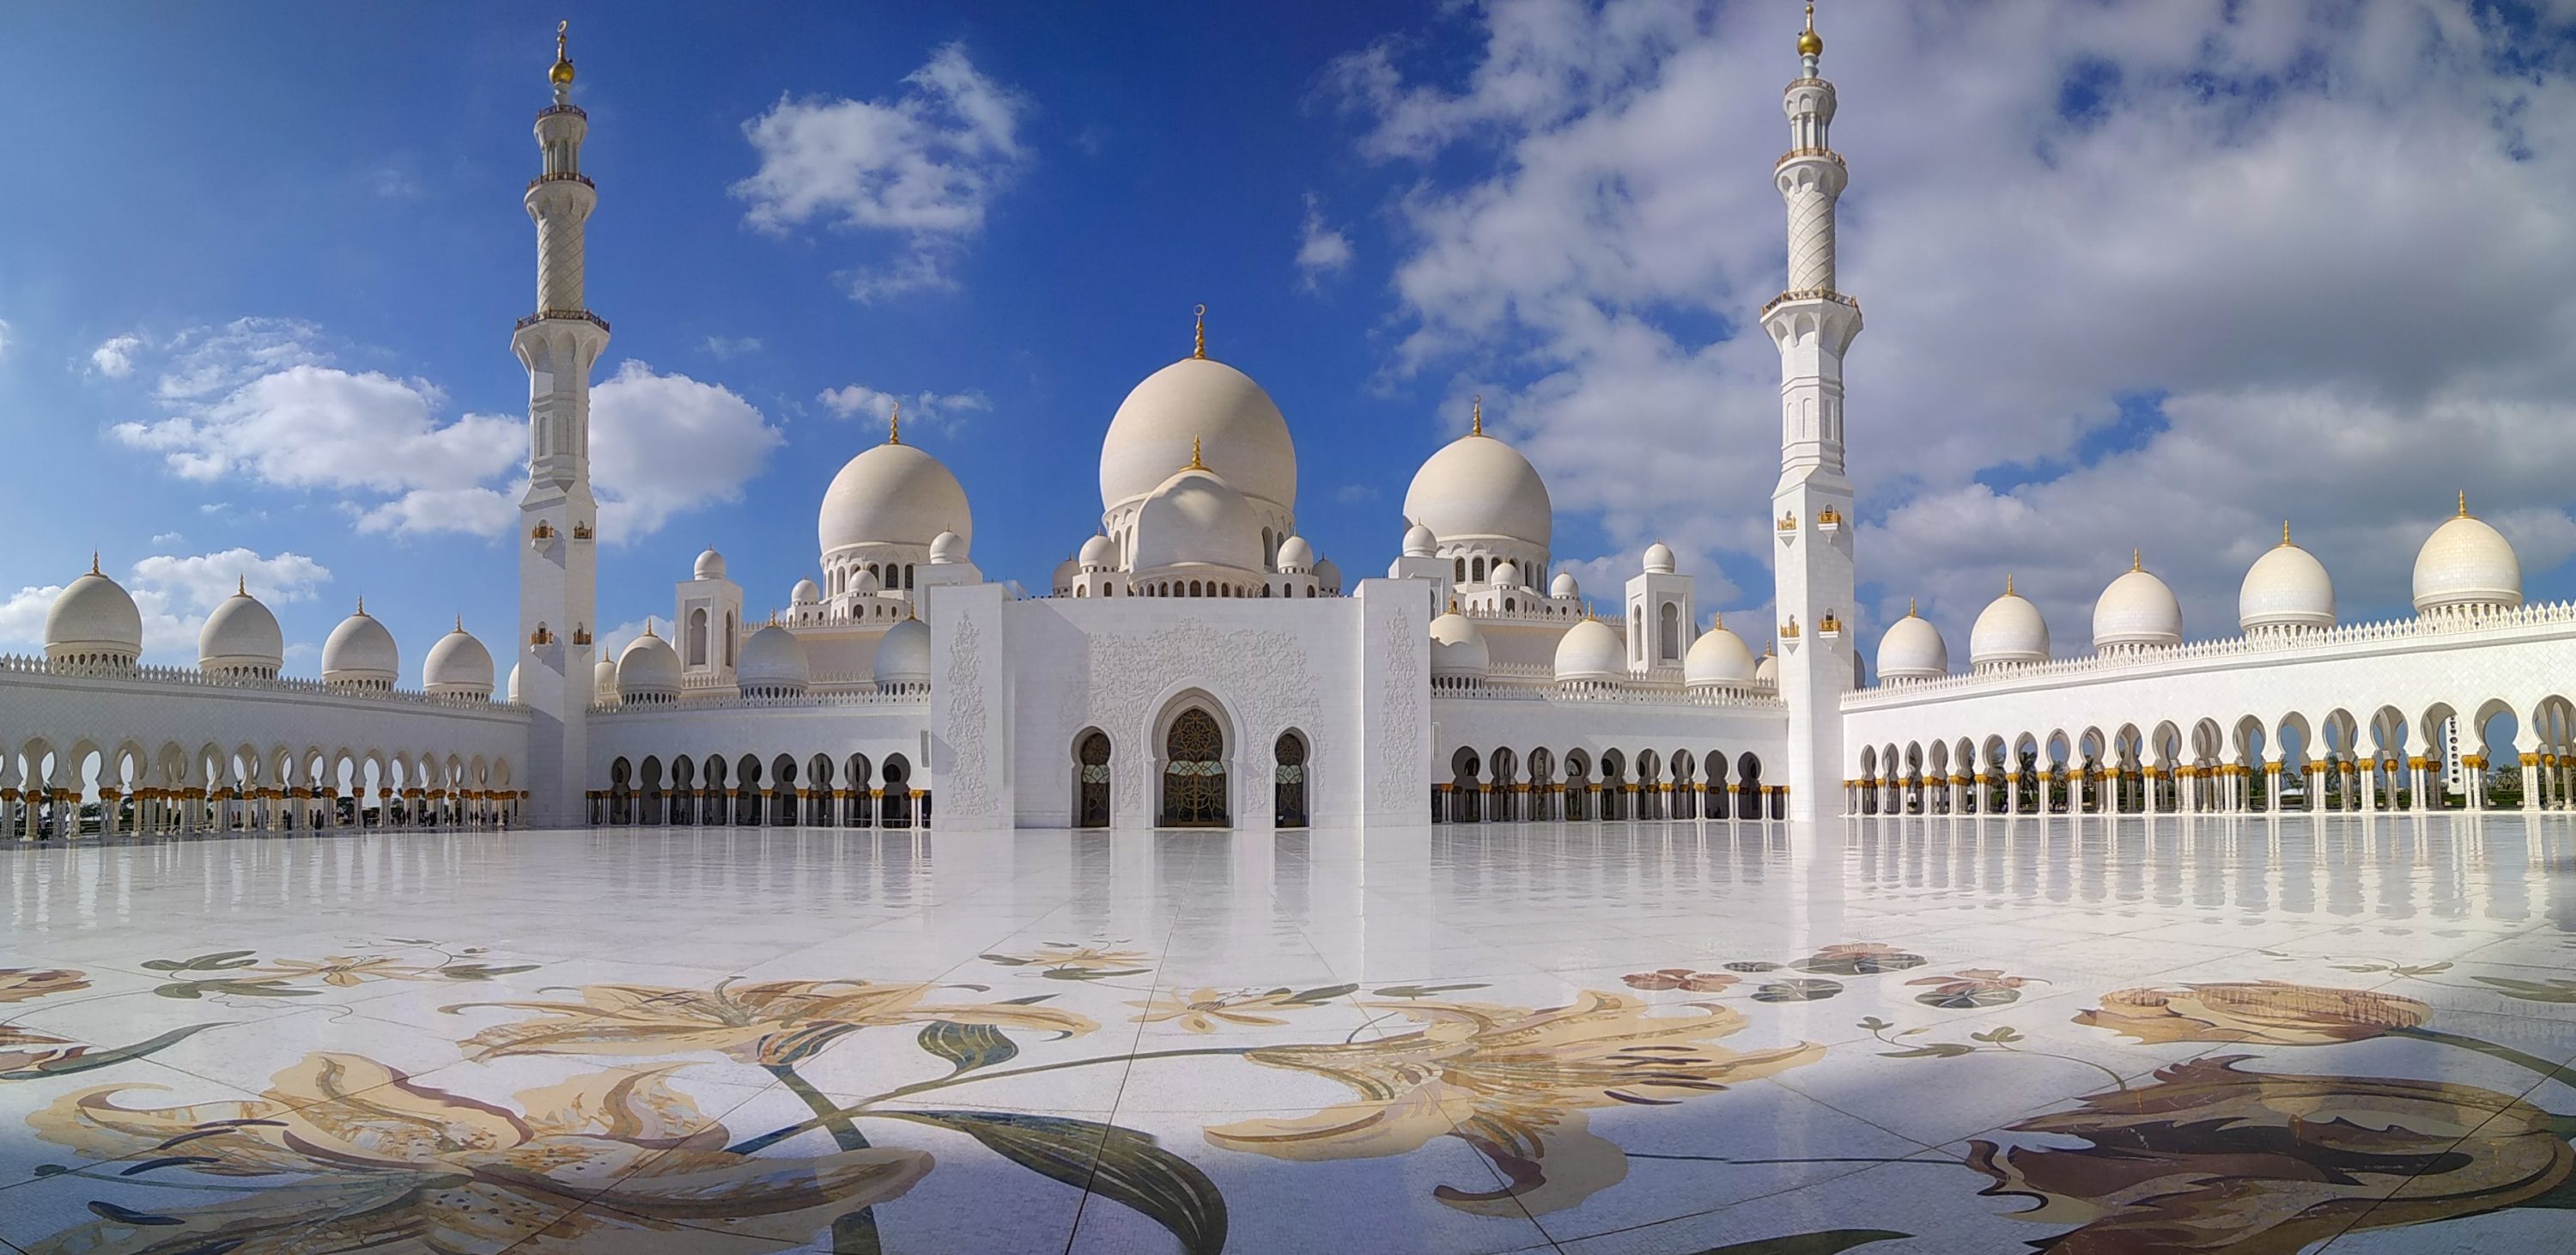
(578, 315)
(551, 110)
(1810, 294)
(563, 176)
(1795, 154)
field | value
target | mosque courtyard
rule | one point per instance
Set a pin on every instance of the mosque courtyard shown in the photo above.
(2339, 1033)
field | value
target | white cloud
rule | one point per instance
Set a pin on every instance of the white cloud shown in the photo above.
(615, 640)
(923, 167)
(163, 540)
(664, 444)
(472, 511)
(173, 595)
(2335, 240)
(931, 409)
(114, 357)
(1321, 250)
(727, 348)
(4, 337)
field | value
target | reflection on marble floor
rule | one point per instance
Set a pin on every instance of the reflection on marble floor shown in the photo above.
(1896, 1035)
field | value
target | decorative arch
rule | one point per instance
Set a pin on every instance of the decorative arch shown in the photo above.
(1291, 767)
(1194, 743)
(1091, 751)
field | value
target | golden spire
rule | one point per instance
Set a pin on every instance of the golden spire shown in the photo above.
(561, 74)
(460, 623)
(2137, 560)
(241, 585)
(1453, 604)
(2464, 503)
(1910, 609)
(648, 625)
(1810, 43)
(1195, 463)
(1477, 423)
(2008, 589)
(362, 605)
(1200, 350)
(93, 562)
(894, 423)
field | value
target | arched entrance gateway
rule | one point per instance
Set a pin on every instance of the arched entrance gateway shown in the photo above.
(1194, 783)
(1091, 780)
(1289, 806)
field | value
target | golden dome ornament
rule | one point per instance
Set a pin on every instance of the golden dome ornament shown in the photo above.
(561, 74)
(1811, 44)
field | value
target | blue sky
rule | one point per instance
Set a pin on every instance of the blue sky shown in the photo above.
(259, 263)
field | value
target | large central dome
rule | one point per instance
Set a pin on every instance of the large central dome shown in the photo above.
(1476, 488)
(893, 494)
(1240, 433)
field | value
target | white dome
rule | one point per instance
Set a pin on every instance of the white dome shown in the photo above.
(1457, 648)
(241, 636)
(806, 593)
(893, 494)
(1099, 552)
(1477, 486)
(2137, 609)
(711, 566)
(1912, 649)
(865, 583)
(1419, 542)
(1718, 658)
(2466, 563)
(94, 618)
(2009, 631)
(1196, 517)
(2286, 587)
(1659, 559)
(648, 670)
(903, 654)
(603, 682)
(1295, 555)
(1328, 576)
(1507, 574)
(1240, 432)
(947, 548)
(1768, 670)
(457, 666)
(1590, 651)
(1565, 587)
(773, 659)
(360, 651)
(514, 684)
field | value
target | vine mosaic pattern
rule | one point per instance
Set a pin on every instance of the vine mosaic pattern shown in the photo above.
(1968, 1071)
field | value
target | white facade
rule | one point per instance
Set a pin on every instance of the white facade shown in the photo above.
(1196, 662)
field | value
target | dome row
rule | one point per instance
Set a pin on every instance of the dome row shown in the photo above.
(1591, 652)
(2465, 567)
(773, 663)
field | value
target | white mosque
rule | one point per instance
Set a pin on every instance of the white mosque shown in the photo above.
(1196, 662)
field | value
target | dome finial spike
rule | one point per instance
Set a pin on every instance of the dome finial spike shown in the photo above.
(894, 423)
(2137, 560)
(1810, 44)
(1199, 333)
(93, 563)
(2008, 588)
(460, 622)
(1910, 609)
(2285, 531)
(1477, 422)
(561, 74)
(1195, 463)
(2464, 503)
(241, 585)
(362, 604)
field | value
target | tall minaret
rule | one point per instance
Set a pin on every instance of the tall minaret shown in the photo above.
(558, 566)
(1813, 324)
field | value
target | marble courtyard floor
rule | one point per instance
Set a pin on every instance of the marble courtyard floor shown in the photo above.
(1886, 1035)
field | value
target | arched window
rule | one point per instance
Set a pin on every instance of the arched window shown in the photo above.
(1480, 570)
(729, 630)
(1194, 772)
(1288, 780)
(698, 637)
(1091, 780)
(1462, 570)
(1668, 633)
(907, 577)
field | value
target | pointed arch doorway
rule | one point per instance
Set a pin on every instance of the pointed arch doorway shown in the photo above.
(1194, 776)
(1091, 780)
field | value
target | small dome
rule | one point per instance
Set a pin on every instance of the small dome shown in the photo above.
(903, 655)
(1718, 659)
(806, 593)
(2137, 609)
(1659, 559)
(947, 548)
(1912, 649)
(1197, 517)
(1241, 434)
(457, 666)
(361, 653)
(2286, 588)
(241, 637)
(1295, 555)
(94, 619)
(603, 682)
(2009, 631)
(1590, 650)
(1477, 487)
(1507, 574)
(648, 670)
(1099, 553)
(892, 494)
(2468, 564)
(1768, 670)
(514, 684)
(711, 566)
(1328, 576)
(865, 583)
(1458, 650)
(1419, 542)
(773, 661)
(1565, 588)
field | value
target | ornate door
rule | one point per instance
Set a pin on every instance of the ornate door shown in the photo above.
(1091, 782)
(1289, 784)
(1194, 773)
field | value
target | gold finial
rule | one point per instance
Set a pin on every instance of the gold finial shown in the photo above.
(241, 585)
(1910, 609)
(1195, 463)
(1477, 423)
(894, 423)
(2137, 560)
(460, 623)
(362, 605)
(648, 625)
(2285, 533)
(2464, 503)
(93, 562)
(1200, 350)
(561, 75)
(1810, 43)
(1453, 605)
(2008, 589)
